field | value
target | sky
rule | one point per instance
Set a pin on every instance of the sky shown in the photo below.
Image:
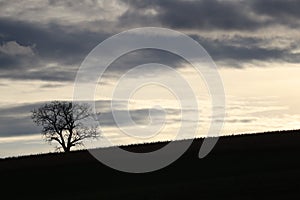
(255, 45)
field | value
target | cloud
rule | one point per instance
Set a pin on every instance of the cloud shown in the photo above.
(242, 115)
(52, 42)
(58, 53)
(204, 14)
(17, 126)
(144, 56)
(283, 12)
(142, 116)
(242, 49)
(48, 40)
(16, 120)
(51, 85)
(213, 14)
(233, 121)
(62, 11)
(12, 48)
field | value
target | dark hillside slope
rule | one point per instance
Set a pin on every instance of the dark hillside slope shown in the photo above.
(260, 166)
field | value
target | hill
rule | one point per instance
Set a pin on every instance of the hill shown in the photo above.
(256, 166)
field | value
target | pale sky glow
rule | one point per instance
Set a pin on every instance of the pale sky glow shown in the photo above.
(269, 103)
(255, 45)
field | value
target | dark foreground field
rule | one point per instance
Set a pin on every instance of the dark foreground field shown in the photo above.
(262, 166)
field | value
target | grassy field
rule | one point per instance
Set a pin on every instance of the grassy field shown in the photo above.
(260, 166)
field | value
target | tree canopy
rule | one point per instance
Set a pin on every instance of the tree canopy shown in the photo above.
(65, 123)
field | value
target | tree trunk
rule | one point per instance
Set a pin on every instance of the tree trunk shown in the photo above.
(68, 148)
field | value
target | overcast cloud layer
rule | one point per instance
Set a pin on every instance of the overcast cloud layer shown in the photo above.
(47, 40)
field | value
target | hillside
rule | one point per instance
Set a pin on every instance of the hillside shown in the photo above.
(256, 166)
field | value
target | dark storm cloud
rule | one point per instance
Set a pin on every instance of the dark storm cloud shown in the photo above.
(51, 41)
(60, 46)
(8, 126)
(284, 12)
(11, 62)
(57, 44)
(223, 15)
(203, 14)
(144, 56)
(207, 15)
(17, 116)
(52, 44)
(238, 50)
(238, 15)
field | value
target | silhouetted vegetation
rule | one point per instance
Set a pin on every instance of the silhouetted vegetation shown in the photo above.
(63, 122)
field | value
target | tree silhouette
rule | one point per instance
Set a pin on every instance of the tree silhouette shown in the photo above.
(63, 122)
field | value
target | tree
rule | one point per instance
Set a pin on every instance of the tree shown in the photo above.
(64, 123)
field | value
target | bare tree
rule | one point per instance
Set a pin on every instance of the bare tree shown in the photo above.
(63, 122)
